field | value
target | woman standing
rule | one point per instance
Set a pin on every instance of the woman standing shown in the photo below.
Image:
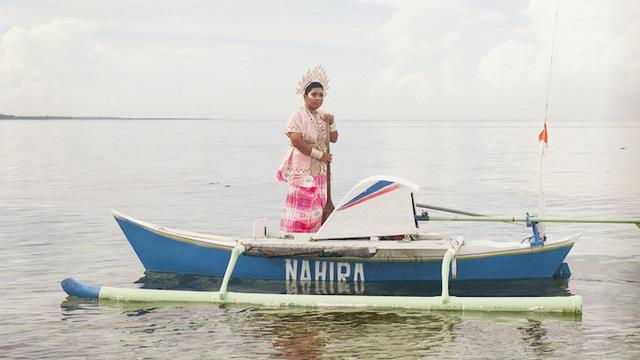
(306, 163)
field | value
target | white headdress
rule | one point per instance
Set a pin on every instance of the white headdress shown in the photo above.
(316, 74)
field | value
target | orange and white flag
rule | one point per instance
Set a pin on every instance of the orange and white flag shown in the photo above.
(544, 135)
(543, 138)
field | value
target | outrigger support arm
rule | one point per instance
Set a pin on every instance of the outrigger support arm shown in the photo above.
(235, 254)
(533, 219)
(446, 265)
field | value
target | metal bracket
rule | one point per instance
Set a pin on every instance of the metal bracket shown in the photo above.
(535, 240)
(424, 216)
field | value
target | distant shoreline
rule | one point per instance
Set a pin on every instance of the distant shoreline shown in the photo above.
(461, 120)
(48, 117)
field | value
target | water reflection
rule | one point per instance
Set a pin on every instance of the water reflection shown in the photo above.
(536, 336)
(297, 339)
(309, 333)
(312, 333)
(532, 287)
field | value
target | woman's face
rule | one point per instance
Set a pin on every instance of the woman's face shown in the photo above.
(314, 98)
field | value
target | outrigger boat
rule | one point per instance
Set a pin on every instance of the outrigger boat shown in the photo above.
(373, 234)
(352, 245)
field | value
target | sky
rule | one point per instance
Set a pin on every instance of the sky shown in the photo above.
(429, 59)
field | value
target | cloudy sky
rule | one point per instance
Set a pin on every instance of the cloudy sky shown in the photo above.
(448, 59)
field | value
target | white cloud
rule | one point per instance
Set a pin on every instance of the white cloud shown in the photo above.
(387, 59)
(189, 58)
(450, 59)
(36, 63)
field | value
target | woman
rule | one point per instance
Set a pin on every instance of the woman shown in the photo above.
(306, 163)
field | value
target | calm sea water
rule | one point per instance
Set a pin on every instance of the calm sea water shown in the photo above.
(59, 179)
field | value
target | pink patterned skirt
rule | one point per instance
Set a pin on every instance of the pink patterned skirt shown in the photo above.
(304, 204)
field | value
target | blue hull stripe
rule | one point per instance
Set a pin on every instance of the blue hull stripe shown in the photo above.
(372, 189)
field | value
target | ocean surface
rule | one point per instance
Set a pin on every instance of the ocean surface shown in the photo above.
(59, 179)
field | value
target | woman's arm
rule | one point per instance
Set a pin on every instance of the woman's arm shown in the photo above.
(298, 142)
(333, 132)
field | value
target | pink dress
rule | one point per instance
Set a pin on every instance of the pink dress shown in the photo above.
(307, 177)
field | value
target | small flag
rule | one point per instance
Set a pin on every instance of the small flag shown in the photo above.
(544, 136)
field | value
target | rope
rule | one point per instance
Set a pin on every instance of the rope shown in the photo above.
(542, 208)
(553, 45)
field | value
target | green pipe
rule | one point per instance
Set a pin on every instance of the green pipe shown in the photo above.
(532, 219)
(235, 253)
(454, 211)
(446, 264)
(588, 220)
(560, 304)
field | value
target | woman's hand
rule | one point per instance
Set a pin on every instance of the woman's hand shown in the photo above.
(326, 117)
(326, 157)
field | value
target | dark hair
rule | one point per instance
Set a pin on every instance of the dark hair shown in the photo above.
(311, 86)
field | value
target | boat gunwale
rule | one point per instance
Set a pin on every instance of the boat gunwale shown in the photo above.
(227, 243)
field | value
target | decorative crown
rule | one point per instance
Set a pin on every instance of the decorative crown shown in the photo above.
(316, 74)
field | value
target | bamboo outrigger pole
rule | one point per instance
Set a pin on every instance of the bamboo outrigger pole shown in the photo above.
(449, 210)
(530, 219)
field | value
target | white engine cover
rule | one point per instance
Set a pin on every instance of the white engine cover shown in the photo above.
(377, 206)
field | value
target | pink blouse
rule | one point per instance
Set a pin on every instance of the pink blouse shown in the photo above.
(296, 167)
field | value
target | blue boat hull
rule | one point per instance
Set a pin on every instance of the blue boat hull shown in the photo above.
(161, 253)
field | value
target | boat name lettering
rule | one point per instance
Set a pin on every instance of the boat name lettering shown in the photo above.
(305, 270)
